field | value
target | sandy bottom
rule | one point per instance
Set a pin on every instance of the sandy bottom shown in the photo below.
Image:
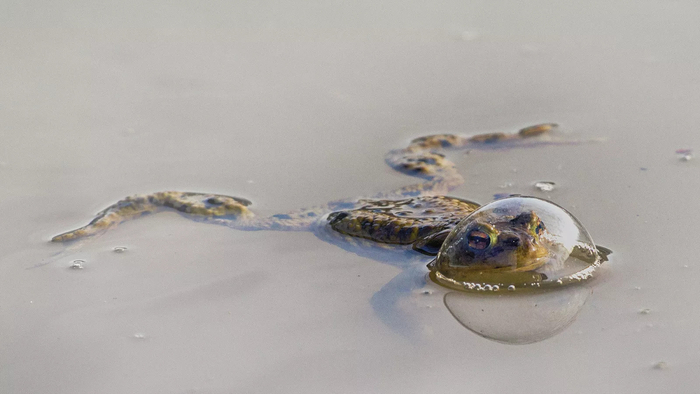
(291, 105)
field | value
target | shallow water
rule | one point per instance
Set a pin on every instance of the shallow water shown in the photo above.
(292, 105)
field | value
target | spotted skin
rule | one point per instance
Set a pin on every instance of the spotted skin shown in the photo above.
(399, 217)
(401, 222)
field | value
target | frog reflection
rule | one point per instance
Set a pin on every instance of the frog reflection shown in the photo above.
(520, 318)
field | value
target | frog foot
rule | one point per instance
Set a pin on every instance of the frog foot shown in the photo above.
(202, 205)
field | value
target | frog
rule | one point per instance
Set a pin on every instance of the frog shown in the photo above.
(420, 216)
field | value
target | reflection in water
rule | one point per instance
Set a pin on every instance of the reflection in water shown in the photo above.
(518, 318)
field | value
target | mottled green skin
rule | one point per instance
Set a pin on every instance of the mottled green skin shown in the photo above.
(401, 222)
(409, 215)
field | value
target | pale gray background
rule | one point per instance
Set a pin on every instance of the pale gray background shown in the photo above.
(294, 103)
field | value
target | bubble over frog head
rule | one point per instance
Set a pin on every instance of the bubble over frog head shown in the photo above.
(516, 242)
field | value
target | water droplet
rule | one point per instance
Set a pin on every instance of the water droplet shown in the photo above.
(645, 311)
(427, 292)
(506, 185)
(637, 288)
(77, 264)
(684, 154)
(661, 365)
(511, 288)
(545, 186)
(140, 335)
(119, 249)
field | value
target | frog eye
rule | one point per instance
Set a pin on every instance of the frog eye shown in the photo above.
(214, 201)
(478, 240)
(539, 229)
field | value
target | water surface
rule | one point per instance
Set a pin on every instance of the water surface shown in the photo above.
(291, 105)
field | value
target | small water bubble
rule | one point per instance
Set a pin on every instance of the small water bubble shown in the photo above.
(511, 288)
(545, 186)
(488, 287)
(427, 292)
(506, 185)
(119, 249)
(140, 335)
(645, 311)
(684, 154)
(77, 264)
(496, 287)
(661, 365)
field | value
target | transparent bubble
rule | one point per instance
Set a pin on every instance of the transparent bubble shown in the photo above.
(516, 243)
(119, 249)
(77, 264)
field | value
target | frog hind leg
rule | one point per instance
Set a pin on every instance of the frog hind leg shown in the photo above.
(423, 157)
(298, 220)
(200, 205)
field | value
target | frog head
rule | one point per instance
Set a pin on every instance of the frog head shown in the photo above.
(516, 241)
(507, 244)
